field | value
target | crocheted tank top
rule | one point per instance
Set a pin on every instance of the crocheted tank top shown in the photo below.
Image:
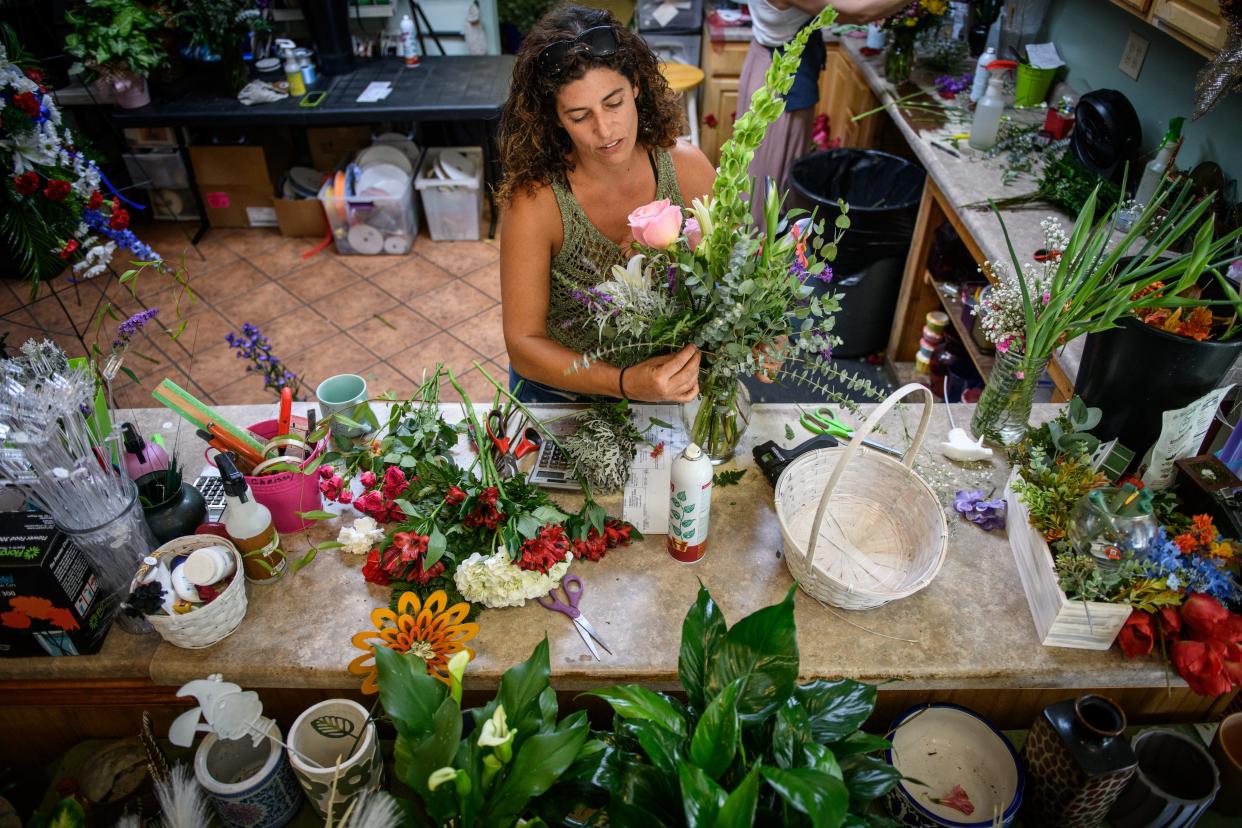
(586, 258)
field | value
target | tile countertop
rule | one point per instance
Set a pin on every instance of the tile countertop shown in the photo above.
(970, 628)
(970, 179)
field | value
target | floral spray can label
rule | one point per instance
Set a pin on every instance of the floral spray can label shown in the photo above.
(690, 505)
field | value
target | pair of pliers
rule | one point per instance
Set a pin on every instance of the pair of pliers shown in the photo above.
(823, 421)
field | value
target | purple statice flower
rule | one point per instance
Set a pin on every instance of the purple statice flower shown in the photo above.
(988, 515)
(949, 86)
(128, 329)
(252, 346)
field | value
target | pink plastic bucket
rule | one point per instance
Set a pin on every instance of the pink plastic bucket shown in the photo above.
(287, 493)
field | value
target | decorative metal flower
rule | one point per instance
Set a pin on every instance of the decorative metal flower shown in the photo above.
(430, 630)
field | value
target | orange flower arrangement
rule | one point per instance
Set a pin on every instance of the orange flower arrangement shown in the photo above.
(430, 630)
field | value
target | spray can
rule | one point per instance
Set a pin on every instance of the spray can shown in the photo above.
(690, 505)
(409, 43)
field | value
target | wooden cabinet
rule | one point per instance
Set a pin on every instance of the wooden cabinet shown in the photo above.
(723, 65)
(1197, 24)
(844, 93)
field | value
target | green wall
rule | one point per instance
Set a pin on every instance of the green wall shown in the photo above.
(1091, 36)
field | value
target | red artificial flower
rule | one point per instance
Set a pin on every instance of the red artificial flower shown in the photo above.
(208, 593)
(373, 572)
(455, 496)
(331, 487)
(26, 183)
(367, 479)
(1201, 667)
(1136, 637)
(1205, 617)
(27, 103)
(119, 219)
(56, 190)
(548, 548)
(326, 472)
(69, 249)
(394, 483)
(957, 799)
(1170, 622)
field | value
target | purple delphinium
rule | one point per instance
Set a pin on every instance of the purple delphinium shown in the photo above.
(130, 328)
(988, 515)
(254, 347)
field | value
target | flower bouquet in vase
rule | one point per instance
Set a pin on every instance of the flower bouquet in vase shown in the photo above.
(740, 293)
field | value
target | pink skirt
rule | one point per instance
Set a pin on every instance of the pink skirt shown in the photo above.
(785, 141)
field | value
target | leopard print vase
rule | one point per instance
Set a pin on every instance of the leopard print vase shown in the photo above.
(1061, 791)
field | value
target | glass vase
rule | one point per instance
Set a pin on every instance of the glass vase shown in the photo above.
(1099, 528)
(718, 418)
(899, 59)
(1004, 411)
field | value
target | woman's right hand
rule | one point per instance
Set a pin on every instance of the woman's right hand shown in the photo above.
(669, 378)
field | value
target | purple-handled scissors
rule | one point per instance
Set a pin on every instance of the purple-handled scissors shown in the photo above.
(572, 587)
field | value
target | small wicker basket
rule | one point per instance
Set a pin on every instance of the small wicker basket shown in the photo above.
(879, 529)
(208, 624)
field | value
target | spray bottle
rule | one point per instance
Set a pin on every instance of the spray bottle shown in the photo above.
(980, 83)
(1154, 172)
(141, 457)
(690, 505)
(991, 106)
(249, 525)
(293, 69)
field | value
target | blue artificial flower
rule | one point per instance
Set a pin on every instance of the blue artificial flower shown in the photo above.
(1190, 573)
(986, 514)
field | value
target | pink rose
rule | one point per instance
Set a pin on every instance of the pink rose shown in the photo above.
(693, 233)
(656, 224)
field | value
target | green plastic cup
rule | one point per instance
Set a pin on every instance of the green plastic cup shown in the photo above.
(1032, 85)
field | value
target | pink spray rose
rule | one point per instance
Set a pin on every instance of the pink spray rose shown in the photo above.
(656, 224)
(693, 233)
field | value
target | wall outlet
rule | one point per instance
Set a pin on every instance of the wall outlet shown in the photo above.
(1133, 56)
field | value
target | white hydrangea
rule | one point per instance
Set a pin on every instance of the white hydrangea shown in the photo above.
(361, 537)
(496, 581)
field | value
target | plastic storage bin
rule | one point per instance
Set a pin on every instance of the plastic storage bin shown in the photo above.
(454, 208)
(366, 225)
(162, 169)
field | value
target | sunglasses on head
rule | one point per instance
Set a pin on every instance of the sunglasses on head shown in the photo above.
(599, 41)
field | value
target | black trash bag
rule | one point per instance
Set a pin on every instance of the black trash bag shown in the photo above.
(883, 193)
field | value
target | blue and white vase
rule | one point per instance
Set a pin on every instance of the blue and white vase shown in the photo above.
(250, 786)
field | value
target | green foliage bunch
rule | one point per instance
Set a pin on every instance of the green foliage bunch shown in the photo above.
(749, 746)
(115, 38)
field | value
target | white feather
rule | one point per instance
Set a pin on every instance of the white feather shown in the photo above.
(129, 821)
(375, 809)
(182, 802)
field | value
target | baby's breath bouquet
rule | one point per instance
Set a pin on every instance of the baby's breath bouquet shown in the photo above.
(743, 294)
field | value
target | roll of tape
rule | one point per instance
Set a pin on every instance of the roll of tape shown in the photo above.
(365, 239)
(396, 245)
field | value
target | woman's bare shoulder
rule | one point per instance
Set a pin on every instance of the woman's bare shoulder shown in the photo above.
(695, 174)
(534, 216)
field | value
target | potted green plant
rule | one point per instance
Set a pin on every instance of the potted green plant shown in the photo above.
(117, 45)
(1095, 279)
(217, 31)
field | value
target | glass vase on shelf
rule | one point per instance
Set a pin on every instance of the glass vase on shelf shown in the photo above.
(718, 418)
(1004, 410)
(899, 59)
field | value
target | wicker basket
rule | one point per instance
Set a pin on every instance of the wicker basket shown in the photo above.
(208, 624)
(879, 530)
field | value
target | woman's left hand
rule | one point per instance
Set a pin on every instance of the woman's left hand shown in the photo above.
(772, 357)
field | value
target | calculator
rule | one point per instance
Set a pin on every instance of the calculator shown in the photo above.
(553, 469)
(212, 488)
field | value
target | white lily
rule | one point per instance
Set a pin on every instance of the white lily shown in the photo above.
(440, 777)
(495, 731)
(701, 209)
(632, 276)
(456, 669)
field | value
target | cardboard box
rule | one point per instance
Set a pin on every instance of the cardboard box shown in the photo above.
(330, 146)
(236, 185)
(50, 601)
(300, 217)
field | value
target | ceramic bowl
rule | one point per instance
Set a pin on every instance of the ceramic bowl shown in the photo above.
(944, 745)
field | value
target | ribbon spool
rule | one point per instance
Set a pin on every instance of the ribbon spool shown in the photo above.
(365, 239)
(396, 245)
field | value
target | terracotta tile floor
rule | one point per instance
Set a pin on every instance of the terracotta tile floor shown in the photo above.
(385, 317)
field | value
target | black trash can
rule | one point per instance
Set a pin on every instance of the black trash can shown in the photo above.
(883, 194)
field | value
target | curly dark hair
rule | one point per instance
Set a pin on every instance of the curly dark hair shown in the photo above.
(534, 148)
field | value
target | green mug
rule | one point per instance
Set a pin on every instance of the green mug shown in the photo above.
(342, 394)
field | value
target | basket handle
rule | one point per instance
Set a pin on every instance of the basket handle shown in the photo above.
(862, 433)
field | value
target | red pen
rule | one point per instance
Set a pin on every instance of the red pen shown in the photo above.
(286, 412)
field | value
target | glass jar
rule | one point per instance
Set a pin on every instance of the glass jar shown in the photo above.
(1003, 412)
(899, 59)
(115, 547)
(1097, 530)
(718, 417)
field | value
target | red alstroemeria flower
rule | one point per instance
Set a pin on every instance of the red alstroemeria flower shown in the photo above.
(1201, 667)
(455, 496)
(27, 183)
(94, 202)
(1136, 637)
(548, 548)
(373, 571)
(411, 545)
(593, 548)
(617, 532)
(27, 103)
(57, 190)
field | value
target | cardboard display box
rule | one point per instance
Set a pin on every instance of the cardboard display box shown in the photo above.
(236, 185)
(50, 601)
(331, 146)
(300, 217)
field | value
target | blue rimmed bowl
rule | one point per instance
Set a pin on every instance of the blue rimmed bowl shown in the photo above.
(940, 746)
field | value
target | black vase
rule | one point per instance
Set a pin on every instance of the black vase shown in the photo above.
(977, 38)
(175, 516)
(328, 21)
(1135, 372)
(1175, 783)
